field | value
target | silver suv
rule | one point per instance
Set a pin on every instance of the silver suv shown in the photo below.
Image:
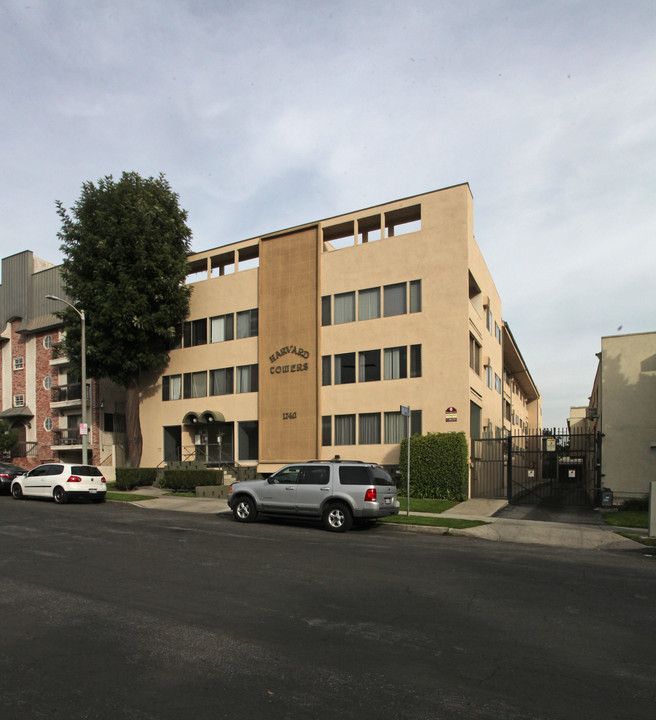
(335, 491)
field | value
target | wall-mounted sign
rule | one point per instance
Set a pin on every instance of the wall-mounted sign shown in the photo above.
(550, 445)
(531, 473)
(289, 365)
(451, 414)
(571, 473)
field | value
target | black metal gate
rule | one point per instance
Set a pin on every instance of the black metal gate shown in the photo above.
(553, 467)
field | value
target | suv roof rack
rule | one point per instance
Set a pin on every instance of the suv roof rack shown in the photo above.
(340, 460)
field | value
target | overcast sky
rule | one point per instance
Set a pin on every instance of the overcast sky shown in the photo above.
(266, 114)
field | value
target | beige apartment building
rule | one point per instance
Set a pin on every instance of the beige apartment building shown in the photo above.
(621, 406)
(305, 343)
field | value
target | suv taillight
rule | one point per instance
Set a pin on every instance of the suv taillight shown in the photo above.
(74, 478)
(370, 495)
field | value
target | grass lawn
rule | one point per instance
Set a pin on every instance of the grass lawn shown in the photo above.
(627, 518)
(651, 542)
(426, 505)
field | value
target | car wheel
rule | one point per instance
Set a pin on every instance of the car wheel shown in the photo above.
(337, 518)
(60, 495)
(17, 491)
(244, 510)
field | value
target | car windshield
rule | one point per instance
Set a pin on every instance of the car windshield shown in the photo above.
(88, 470)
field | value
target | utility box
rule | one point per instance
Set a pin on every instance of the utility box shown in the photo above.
(606, 498)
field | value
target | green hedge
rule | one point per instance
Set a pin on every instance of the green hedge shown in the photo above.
(128, 478)
(190, 479)
(439, 466)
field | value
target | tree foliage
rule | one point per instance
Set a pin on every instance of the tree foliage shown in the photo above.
(8, 437)
(125, 246)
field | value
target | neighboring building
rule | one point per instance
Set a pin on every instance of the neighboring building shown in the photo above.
(622, 407)
(305, 343)
(39, 390)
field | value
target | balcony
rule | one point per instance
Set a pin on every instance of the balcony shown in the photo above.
(68, 439)
(66, 396)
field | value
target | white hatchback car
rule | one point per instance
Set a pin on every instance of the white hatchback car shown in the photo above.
(61, 481)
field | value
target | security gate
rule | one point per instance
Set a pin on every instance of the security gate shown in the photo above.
(553, 467)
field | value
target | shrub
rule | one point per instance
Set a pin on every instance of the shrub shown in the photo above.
(190, 479)
(636, 504)
(439, 466)
(128, 478)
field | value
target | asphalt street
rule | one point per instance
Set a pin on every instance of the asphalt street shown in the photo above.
(113, 611)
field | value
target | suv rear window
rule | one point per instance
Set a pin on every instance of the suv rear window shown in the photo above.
(381, 477)
(88, 470)
(354, 475)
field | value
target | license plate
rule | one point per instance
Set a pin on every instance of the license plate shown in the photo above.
(388, 501)
(92, 491)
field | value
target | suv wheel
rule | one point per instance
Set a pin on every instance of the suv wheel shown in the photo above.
(244, 510)
(337, 518)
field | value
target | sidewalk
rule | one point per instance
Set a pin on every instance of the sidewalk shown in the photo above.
(554, 534)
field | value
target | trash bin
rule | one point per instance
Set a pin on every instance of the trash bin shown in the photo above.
(606, 498)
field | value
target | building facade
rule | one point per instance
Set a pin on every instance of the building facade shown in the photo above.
(621, 407)
(306, 343)
(40, 391)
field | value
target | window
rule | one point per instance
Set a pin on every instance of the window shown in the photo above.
(369, 428)
(171, 387)
(415, 361)
(415, 296)
(221, 328)
(194, 332)
(369, 366)
(317, 475)
(497, 383)
(474, 355)
(47, 382)
(326, 315)
(247, 323)
(108, 422)
(488, 320)
(394, 427)
(47, 424)
(497, 332)
(394, 297)
(222, 381)
(344, 429)
(19, 363)
(19, 400)
(326, 430)
(344, 369)
(415, 422)
(489, 373)
(344, 308)
(47, 342)
(395, 363)
(369, 304)
(194, 385)
(325, 370)
(247, 378)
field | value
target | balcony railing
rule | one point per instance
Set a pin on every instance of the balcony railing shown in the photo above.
(24, 450)
(65, 393)
(66, 437)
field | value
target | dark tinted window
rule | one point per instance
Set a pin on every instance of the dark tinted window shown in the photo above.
(287, 475)
(54, 470)
(315, 476)
(85, 470)
(381, 477)
(354, 475)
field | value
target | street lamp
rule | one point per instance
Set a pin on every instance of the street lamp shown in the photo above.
(84, 372)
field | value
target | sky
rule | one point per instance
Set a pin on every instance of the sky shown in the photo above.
(264, 115)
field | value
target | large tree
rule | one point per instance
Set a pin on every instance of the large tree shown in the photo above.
(125, 248)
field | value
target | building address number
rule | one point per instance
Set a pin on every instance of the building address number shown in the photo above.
(289, 416)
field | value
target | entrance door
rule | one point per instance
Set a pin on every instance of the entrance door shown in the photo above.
(172, 443)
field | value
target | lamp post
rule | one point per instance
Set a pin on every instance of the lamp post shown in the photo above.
(84, 372)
